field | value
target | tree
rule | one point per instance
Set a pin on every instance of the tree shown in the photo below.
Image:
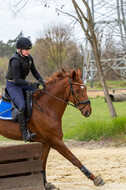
(3, 68)
(56, 50)
(56, 44)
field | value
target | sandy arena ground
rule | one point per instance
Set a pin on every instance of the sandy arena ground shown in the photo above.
(101, 158)
(105, 160)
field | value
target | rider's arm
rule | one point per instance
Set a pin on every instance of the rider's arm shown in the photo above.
(35, 72)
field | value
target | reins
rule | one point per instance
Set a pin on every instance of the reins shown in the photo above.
(71, 90)
(39, 107)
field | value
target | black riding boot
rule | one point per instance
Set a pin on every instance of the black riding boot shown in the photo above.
(26, 135)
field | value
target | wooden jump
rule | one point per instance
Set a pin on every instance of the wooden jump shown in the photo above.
(20, 167)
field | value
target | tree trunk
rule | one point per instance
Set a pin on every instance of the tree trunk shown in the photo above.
(102, 80)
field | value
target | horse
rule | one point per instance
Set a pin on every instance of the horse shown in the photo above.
(49, 104)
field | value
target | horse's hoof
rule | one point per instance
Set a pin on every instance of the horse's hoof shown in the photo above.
(49, 186)
(98, 181)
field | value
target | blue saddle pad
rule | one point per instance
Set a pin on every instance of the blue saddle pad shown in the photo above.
(5, 110)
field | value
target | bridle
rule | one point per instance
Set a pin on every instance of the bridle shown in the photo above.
(71, 90)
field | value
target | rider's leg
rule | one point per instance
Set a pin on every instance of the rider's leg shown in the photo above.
(17, 97)
(26, 135)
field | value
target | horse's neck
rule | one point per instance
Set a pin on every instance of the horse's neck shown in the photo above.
(55, 104)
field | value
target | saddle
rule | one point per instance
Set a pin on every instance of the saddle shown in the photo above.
(14, 110)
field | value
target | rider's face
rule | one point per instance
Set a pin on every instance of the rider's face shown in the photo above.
(25, 52)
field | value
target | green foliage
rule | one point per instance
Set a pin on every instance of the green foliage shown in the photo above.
(98, 125)
(3, 68)
(97, 129)
(8, 49)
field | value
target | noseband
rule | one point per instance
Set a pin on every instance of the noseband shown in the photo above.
(71, 90)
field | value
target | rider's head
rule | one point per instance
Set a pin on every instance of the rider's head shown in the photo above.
(24, 45)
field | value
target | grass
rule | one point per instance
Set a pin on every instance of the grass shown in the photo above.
(110, 84)
(99, 125)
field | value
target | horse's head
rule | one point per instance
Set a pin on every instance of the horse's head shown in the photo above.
(78, 93)
(67, 87)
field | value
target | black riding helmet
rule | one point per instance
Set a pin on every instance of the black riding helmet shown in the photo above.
(23, 43)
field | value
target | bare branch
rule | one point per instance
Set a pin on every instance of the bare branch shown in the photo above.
(21, 7)
(76, 5)
(77, 8)
(68, 14)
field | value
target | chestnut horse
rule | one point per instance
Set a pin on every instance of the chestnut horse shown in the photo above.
(46, 120)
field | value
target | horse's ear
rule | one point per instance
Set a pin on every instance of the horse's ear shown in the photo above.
(63, 71)
(79, 72)
(74, 75)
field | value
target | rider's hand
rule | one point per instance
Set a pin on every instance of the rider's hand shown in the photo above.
(34, 84)
(42, 83)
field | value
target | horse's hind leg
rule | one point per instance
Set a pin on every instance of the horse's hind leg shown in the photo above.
(45, 153)
(59, 145)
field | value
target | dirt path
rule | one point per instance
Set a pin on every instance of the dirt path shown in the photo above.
(102, 158)
(94, 93)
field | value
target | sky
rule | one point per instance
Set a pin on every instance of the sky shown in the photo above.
(33, 19)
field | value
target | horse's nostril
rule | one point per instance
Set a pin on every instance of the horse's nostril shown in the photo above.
(87, 113)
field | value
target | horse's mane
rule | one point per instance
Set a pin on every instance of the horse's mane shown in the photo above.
(57, 76)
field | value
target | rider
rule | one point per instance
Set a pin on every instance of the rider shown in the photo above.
(20, 64)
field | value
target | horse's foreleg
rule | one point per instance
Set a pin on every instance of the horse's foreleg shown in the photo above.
(45, 153)
(59, 145)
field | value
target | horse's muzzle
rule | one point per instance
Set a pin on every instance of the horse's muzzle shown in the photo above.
(86, 112)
